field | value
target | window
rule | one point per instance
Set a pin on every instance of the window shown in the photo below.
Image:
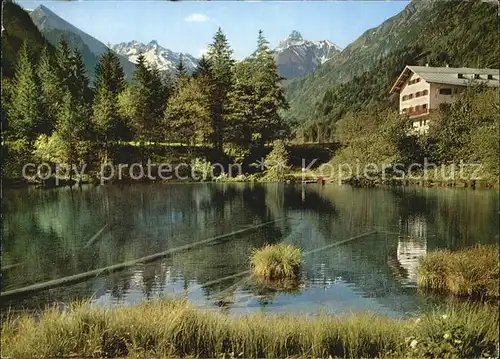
(426, 92)
(477, 77)
(460, 76)
(418, 80)
(424, 106)
(445, 91)
(490, 77)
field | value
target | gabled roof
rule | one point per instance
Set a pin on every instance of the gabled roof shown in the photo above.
(447, 75)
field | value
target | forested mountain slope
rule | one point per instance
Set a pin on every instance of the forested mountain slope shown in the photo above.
(461, 33)
(18, 27)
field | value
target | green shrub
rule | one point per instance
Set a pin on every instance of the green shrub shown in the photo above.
(276, 162)
(468, 272)
(277, 262)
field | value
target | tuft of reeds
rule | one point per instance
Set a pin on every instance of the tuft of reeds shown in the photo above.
(277, 262)
(173, 328)
(468, 272)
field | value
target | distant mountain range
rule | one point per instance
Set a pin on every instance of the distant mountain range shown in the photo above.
(164, 59)
(294, 55)
(298, 57)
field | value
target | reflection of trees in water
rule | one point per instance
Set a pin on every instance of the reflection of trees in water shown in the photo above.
(47, 230)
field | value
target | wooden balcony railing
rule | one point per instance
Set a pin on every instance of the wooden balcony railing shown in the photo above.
(417, 112)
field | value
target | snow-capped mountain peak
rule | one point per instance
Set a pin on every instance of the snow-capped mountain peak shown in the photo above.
(297, 57)
(155, 54)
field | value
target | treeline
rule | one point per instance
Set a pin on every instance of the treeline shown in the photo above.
(53, 113)
(463, 132)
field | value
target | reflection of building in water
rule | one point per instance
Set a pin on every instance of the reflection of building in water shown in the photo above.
(417, 228)
(410, 249)
(408, 254)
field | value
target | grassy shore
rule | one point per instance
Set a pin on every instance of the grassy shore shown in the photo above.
(173, 328)
(467, 272)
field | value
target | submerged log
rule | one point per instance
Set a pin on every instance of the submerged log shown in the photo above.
(116, 267)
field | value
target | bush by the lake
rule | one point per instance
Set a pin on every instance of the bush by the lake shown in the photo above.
(173, 328)
(467, 272)
(277, 262)
(276, 162)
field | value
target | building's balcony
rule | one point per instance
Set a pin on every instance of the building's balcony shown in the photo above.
(419, 112)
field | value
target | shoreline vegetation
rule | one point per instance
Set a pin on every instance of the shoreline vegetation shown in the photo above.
(58, 112)
(173, 328)
(470, 272)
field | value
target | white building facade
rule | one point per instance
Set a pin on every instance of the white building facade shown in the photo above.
(422, 89)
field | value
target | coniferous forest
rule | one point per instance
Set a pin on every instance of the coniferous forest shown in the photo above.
(57, 115)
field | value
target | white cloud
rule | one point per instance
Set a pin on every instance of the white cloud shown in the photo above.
(197, 18)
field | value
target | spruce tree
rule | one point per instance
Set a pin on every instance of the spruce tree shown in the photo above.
(107, 122)
(25, 111)
(64, 63)
(71, 130)
(203, 68)
(79, 85)
(181, 69)
(109, 73)
(51, 88)
(220, 56)
(141, 93)
(158, 100)
(268, 123)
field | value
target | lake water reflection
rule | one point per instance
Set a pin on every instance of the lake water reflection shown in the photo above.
(50, 234)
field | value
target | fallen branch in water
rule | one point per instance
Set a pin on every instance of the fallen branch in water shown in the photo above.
(96, 272)
(95, 237)
(341, 242)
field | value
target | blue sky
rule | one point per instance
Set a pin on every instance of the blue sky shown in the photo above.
(189, 26)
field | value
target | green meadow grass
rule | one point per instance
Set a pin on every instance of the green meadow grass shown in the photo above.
(276, 262)
(172, 328)
(468, 272)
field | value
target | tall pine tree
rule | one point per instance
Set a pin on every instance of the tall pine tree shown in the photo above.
(203, 68)
(107, 122)
(268, 124)
(79, 84)
(220, 56)
(64, 63)
(181, 69)
(149, 96)
(25, 116)
(51, 88)
(109, 73)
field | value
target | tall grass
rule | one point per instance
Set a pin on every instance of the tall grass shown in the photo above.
(468, 272)
(173, 328)
(276, 262)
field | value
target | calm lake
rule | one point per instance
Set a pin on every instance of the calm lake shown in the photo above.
(50, 234)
